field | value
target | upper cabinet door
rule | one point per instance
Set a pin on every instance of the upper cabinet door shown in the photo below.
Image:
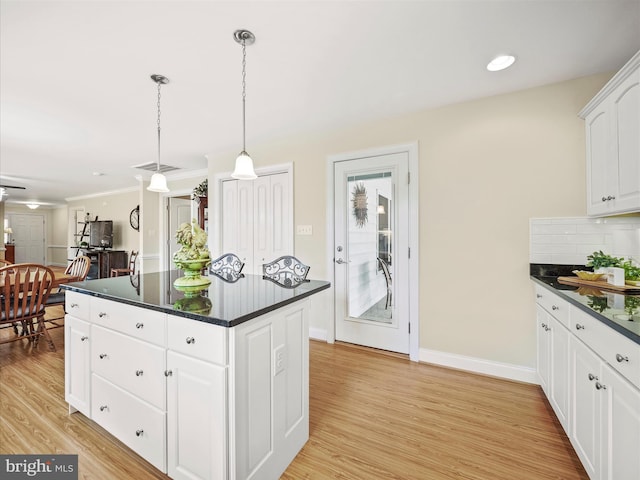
(612, 122)
(626, 128)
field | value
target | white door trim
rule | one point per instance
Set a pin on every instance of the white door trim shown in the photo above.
(414, 264)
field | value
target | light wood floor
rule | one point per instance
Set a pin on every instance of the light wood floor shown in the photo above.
(372, 416)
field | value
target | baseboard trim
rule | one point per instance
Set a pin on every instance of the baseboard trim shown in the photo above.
(480, 365)
(318, 333)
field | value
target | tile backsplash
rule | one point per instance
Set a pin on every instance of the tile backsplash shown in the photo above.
(569, 240)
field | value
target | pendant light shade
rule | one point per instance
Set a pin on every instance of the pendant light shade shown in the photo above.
(158, 180)
(158, 183)
(244, 165)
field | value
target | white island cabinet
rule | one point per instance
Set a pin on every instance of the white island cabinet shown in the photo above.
(197, 396)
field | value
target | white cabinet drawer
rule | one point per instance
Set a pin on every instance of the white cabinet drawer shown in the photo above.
(197, 339)
(615, 349)
(136, 366)
(147, 325)
(136, 423)
(77, 304)
(554, 305)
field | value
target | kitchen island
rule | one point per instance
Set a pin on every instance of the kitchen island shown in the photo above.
(210, 387)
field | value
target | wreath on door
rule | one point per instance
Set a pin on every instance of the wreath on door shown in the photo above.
(360, 204)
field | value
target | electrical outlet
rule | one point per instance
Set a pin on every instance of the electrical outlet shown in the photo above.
(279, 359)
(304, 230)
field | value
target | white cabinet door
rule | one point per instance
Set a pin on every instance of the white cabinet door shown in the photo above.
(620, 426)
(196, 418)
(559, 371)
(625, 119)
(585, 422)
(77, 374)
(601, 177)
(544, 340)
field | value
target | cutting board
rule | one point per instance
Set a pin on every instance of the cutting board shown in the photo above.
(602, 285)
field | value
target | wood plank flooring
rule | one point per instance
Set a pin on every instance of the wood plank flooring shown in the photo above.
(372, 416)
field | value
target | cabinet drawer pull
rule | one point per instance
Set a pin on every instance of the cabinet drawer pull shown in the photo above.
(139, 373)
(74, 305)
(102, 314)
(191, 340)
(621, 359)
(102, 356)
(600, 386)
(139, 432)
(554, 307)
(83, 338)
(103, 408)
(592, 377)
(139, 325)
(579, 327)
(168, 373)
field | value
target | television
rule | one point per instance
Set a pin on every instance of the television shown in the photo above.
(101, 234)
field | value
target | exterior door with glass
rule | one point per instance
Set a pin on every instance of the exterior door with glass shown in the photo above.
(371, 250)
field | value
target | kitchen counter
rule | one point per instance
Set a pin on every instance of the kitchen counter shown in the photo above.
(230, 304)
(611, 308)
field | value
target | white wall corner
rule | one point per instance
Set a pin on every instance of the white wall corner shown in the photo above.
(316, 333)
(479, 365)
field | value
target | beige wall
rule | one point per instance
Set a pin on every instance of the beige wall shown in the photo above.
(486, 167)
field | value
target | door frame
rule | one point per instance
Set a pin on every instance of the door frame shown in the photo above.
(411, 149)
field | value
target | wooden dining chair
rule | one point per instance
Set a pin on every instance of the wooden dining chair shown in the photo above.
(24, 289)
(79, 267)
(118, 272)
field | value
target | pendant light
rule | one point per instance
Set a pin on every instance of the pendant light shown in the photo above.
(158, 180)
(244, 165)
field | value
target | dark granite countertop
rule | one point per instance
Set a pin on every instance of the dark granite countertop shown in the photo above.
(222, 303)
(618, 311)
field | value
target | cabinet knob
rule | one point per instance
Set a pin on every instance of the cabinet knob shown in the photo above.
(103, 408)
(621, 359)
(83, 338)
(611, 197)
(604, 199)
(191, 340)
(102, 314)
(139, 325)
(102, 356)
(543, 325)
(538, 295)
(546, 328)
(139, 432)
(579, 327)
(168, 373)
(600, 386)
(139, 373)
(554, 307)
(73, 305)
(592, 377)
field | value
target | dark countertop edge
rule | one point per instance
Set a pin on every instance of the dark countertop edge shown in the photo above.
(613, 325)
(195, 316)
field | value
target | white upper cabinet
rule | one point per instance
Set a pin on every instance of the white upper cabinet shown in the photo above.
(612, 121)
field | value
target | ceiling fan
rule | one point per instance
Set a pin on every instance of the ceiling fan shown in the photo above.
(12, 186)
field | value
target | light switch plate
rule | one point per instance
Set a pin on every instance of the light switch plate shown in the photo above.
(304, 230)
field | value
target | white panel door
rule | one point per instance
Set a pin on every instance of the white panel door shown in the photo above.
(28, 235)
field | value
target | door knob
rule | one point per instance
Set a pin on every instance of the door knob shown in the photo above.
(340, 261)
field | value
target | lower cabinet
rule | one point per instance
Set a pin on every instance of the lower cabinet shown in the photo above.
(196, 418)
(589, 374)
(196, 400)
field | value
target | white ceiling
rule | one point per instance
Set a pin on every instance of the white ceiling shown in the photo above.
(76, 96)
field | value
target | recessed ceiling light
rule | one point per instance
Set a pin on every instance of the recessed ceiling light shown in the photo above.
(501, 62)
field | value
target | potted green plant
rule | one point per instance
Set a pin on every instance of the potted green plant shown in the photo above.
(631, 273)
(600, 259)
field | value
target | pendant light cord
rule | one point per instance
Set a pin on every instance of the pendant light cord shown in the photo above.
(244, 92)
(158, 169)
